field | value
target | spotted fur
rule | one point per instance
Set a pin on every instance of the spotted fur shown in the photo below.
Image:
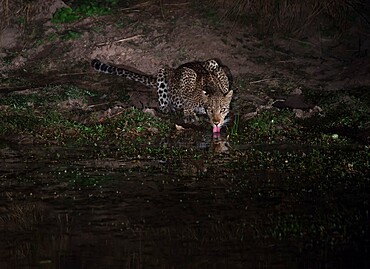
(194, 87)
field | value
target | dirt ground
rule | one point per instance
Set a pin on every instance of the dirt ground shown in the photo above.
(147, 37)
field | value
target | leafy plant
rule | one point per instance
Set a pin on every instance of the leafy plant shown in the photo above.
(71, 35)
(8, 58)
(82, 9)
(65, 15)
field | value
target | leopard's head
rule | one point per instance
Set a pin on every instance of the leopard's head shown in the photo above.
(217, 106)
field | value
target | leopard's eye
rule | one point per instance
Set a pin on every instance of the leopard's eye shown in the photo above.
(223, 110)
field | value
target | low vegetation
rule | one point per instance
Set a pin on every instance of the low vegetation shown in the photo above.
(60, 114)
(83, 8)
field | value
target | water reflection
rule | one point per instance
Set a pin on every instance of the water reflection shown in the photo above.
(217, 142)
(60, 208)
(83, 208)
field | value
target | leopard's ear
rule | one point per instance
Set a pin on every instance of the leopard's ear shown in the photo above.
(205, 96)
(229, 95)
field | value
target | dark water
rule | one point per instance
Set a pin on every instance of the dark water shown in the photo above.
(66, 207)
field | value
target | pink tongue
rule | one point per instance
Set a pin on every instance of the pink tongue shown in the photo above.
(216, 129)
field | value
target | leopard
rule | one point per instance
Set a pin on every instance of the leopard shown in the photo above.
(195, 88)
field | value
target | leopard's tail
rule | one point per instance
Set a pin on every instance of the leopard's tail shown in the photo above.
(147, 80)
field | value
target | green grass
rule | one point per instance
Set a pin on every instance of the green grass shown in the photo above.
(60, 114)
(8, 58)
(44, 97)
(345, 111)
(133, 122)
(56, 126)
(70, 35)
(81, 9)
(234, 129)
(270, 126)
(54, 37)
(344, 119)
